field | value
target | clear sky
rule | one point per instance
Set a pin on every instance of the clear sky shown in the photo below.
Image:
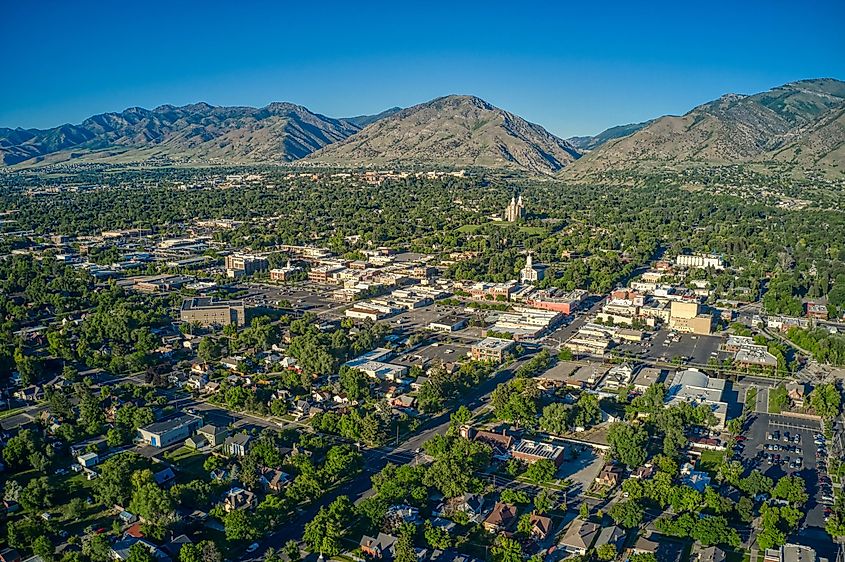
(573, 67)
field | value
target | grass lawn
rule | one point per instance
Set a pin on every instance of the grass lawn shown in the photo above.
(188, 462)
(710, 460)
(777, 399)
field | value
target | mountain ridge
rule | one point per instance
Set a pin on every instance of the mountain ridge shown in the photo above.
(766, 127)
(454, 130)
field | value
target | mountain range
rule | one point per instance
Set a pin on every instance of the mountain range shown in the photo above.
(800, 124)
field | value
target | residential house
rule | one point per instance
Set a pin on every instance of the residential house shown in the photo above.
(122, 549)
(88, 460)
(239, 499)
(501, 519)
(707, 554)
(612, 535)
(541, 526)
(381, 546)
(579, 536)
(164, 477)
(273, 479)
(9, 555)
(213, 435)
(610, 475)
(471, 504)
(696, 479)
(797, 392)
(237, 445)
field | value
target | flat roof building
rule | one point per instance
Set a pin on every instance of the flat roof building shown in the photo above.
(168, 432)
(694, 387)
(208, 312)
(491, 349)
(533, 451)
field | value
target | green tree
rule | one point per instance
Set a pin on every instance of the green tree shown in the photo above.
(627, 443)
(541, 471)
(756, 483)
(792, 489)
(628, 514)
(506, 550)
(606, 552)
(240, 526)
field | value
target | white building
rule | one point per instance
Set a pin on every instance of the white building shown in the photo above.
(699, 261)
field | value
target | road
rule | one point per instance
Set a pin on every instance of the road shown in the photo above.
(377, 459)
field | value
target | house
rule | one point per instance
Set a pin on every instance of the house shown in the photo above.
(239, 499)
(213, 435)
(610, 475)
(696, 479)
(164, 477)
(121, 549)
(88, 460)
(404, 401)
(796, 391)
(273, 479)
(174, 547)
(197, 382)
(707, 554)
(580, 536)
(9, 555)
(237, 445)
(612, 535)
(165, 433)
(126, 518)
(211, 388)
(643, 472)
(31, 393)
(472, 505)
(500, 442)
(399, 514)
(541, 526)
(501, 519)
(382, 546)
(645, 545)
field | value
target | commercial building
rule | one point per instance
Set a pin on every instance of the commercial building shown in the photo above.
(373, 364)
(699, 261)
(495, 291)
(165, 433)
(208, 312)
(244, 264)
(491, 349)
(694, 387)
(284, 273)
(575, 374)
(526, 322)
(685, 316)
(817, 311)
(533, 451)
(325, 274)
(449, 324)
(557, 300)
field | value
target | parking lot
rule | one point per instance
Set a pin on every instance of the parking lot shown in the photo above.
(772, 447)
(665, 345)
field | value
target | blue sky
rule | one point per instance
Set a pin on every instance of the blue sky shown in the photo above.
(573, 68)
